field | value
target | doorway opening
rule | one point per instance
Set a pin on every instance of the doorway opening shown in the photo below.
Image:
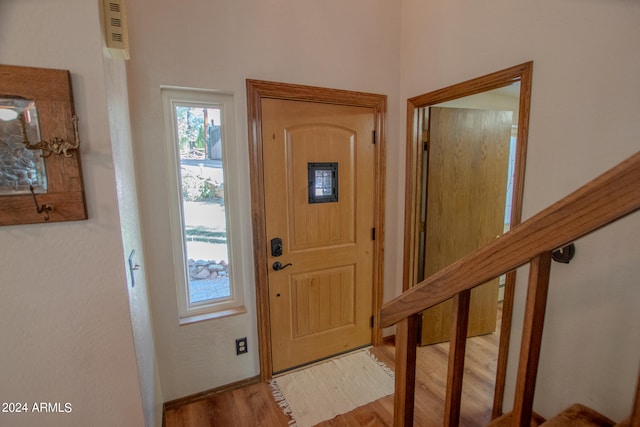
(421, 110)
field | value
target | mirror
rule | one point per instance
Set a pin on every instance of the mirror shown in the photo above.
(19, 166)
(466, 150)
(40, 171)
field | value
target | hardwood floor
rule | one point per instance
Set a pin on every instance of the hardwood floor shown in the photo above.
(253, 405)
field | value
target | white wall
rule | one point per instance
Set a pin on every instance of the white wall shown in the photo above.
(584, 120)
(217, 45)
(120, 128)
(65, 326)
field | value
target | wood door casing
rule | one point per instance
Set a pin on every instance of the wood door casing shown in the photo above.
(521, 74)
(321, 305)
(257, 90)
(467, 168)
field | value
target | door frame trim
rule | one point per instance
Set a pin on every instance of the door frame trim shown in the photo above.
(522, 73)
(256, 91)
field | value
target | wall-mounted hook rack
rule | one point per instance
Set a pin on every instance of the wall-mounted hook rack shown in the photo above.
(41, 208)
(40, 100)
(56, 145)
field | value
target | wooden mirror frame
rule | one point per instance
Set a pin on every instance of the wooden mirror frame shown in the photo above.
(520, 73)
(50, 89)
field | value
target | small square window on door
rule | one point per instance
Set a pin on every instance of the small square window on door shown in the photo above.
(323, 182)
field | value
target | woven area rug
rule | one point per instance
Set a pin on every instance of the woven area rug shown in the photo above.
(323, 391)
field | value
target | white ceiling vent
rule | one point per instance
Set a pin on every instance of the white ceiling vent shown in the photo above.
(115, 28)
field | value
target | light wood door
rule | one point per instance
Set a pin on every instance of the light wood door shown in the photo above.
(321, 304)
(468, 155)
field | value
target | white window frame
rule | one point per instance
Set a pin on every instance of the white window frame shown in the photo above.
(172, 97)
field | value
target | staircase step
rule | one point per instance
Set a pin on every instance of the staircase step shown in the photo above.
(624, 423)
(579, 415)
(505, 420)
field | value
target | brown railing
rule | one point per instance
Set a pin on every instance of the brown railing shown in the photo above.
(607, 198)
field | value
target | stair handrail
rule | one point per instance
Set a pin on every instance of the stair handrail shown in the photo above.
(611, 196)
(607, 198)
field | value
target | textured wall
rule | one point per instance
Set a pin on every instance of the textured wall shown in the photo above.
(217, 45)
(120, 129)
(65, 327)
(584, 120)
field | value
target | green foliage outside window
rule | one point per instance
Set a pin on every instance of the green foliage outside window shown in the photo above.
(190, 128)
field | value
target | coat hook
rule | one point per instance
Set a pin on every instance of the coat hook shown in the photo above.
(56, 145)
(40, 209)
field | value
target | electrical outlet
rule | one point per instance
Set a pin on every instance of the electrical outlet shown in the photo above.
(241, 346)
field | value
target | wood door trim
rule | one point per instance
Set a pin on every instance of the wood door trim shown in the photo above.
(256, 91)
(522, 73)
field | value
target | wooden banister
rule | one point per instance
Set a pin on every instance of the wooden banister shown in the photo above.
(457, 351)
(609, 197)
(406, 344)
(635, 415)
(531, 339)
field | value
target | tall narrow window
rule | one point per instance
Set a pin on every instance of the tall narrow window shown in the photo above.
(200, 129)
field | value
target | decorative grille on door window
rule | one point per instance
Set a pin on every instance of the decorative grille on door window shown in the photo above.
(323, 182)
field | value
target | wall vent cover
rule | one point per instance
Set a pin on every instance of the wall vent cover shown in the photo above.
(115, 26)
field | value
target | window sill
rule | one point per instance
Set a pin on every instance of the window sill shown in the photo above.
(209, 316)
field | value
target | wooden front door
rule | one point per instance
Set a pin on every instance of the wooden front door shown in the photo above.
(319, 181)
(468, 154)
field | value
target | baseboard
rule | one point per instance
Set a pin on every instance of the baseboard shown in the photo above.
(209, 393)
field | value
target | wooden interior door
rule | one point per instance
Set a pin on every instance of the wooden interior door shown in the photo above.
(468, 155)
(321, 304)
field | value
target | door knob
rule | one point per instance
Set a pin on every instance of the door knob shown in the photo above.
(277, 266)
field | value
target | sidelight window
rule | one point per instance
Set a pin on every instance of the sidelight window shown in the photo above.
(200, 129)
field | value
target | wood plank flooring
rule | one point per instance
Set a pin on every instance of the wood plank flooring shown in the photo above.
(253, 405)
